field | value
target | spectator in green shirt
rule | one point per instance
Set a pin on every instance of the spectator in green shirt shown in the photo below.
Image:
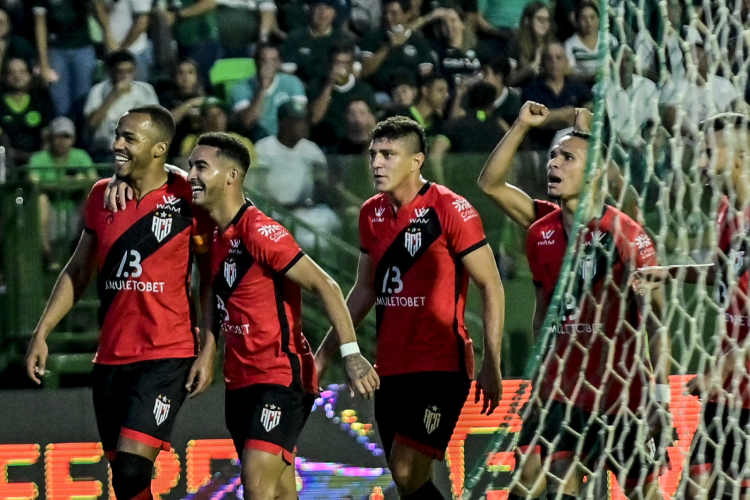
(196, 30)
(58, 159)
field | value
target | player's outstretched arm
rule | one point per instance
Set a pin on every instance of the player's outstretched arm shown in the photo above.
(69, 287)
(202, 372)
(493, 181)
(360, 300)
(360, 373)
(480, 264)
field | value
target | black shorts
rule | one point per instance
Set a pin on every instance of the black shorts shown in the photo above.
(718, 438)
(420, 410)
(267, 417)
(558, 434)
(139, 400)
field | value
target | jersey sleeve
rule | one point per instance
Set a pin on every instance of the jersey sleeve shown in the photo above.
(203, 231)
(365, 233)
(462, 225)
(639, 249)
(94, 205)
(542, 208)
(531, 239)
(271, 244)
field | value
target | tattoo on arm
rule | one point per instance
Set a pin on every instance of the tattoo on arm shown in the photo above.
(357, 366)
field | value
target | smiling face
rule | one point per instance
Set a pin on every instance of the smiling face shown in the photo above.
(566, 168)
(135, 145)
(208, 176)
(393, 162)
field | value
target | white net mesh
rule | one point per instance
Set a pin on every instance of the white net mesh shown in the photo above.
(593, 424)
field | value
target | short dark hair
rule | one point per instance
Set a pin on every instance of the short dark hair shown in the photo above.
(266, 45)
(499, 64)
(482, 95)
(430, 78)
(228, 147)
(161, 118)
(118, 57)
(403, 77)
(404, 4)
(400, 127)
(341, 48)
(586, 4)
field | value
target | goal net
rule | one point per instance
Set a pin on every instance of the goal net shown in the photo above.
(592, 396)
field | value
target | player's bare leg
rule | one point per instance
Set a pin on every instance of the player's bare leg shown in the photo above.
(287, 487)
(261, 474)
(412, 473)
(132, 469)
(569, 480)
(531, 481)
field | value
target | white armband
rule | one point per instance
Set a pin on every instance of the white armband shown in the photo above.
(663, 393)
(349, 348)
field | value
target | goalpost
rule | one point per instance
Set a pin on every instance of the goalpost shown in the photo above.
(697, 52)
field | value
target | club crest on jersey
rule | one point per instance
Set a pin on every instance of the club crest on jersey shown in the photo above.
(431, 418)
(161, 409)
(270, 417)
(161, 225)
(230, 272)
(413, 240)
(588, 268)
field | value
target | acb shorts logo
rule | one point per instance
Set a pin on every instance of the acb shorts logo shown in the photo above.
(431, 418)
(161, 409)
(270, 417)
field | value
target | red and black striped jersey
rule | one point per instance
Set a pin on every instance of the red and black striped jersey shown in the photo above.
(420, 282)
(598, 314)
(257, 307)
(144, 258)
(733, 273)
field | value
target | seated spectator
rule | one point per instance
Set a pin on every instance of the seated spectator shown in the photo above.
(196, 31)
(110, 99)
(256, 102)
(673, 32)
(242, 23)
(305, 50)
(359, 121)
(525, 50)
(394, 47)
(67, 58)
(430, 106)
(558, 92)
(631, 100)
(330, 97)
(455, 46)
(405, 90)
(13, 45)
(478, 131)
(59, 159)
(292, 166)
(57, 162)
(507, 103)
(583, 47)
(213, 118)
(125, 23)
(24, 111)
(700, 99)
(183, 99)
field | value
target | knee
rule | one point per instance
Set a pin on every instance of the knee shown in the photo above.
(131, 476)
(407, 478)
(257, 486)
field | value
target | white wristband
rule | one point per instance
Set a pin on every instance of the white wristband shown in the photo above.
(349, 348)
(663, 393)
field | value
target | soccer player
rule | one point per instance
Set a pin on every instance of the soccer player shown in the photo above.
(146, 363)
(718, 458)
(549, 230)
(420, 244)
(258, 270)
